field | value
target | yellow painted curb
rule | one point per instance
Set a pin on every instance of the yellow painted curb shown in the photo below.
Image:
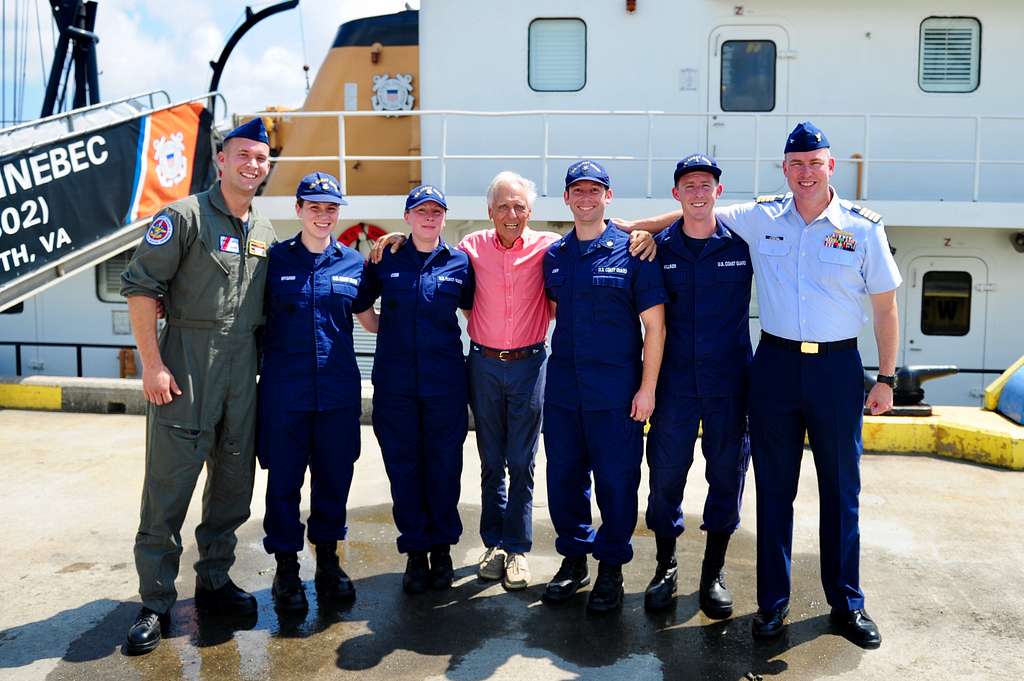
(45, 397)
(957, 432)
(995, 388)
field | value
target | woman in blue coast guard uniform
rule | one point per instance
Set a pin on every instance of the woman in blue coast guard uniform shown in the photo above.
(421, 387)
(309, 392)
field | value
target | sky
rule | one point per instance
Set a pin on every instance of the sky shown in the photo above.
(168, 44)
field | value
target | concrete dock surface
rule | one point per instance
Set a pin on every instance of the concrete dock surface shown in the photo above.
(942, 564)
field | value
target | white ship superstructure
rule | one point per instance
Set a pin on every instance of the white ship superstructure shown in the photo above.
(921, 101)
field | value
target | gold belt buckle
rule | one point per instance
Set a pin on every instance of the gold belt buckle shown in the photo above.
(809, 348)
(503, 355)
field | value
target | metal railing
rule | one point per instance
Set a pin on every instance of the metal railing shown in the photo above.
(18, 345)
(865, 158)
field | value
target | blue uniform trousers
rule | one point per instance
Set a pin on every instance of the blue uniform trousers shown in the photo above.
(726, 447)
(327, 442)
(824, 395)
(507, 400)
(609, 444)
(421, 441)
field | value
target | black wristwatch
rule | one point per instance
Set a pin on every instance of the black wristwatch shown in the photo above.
(889, 380)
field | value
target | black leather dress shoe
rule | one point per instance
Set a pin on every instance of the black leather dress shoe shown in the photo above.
(769, 625)
(145, 633)
(570, 578)
(857, 627)
(715, 599)
(228, 600)
(417, 573)
(442, 573)
(288, 592)
(332, 584)
(607, 592)
(660, 593)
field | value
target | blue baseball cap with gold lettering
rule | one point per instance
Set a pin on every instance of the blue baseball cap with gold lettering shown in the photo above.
(694, 163)
(424, 193)
(321, 188)
(587, 170)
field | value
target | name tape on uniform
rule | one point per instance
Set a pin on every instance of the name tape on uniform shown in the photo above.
(258, 248)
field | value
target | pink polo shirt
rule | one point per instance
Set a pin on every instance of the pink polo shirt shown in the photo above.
(510, 309)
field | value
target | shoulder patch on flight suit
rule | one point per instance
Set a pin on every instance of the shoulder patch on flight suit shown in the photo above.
(160, 230)
(866, 212)
(770, 198)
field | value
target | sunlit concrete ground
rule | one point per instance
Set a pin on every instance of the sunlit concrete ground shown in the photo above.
(942, 565)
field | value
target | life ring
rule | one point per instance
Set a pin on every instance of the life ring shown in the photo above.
(361, 236)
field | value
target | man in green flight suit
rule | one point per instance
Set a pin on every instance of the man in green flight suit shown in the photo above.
(204, 258)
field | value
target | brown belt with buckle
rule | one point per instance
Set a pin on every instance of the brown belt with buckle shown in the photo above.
(807, 347)
(508, 355)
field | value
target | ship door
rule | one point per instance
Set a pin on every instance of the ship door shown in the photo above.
(944, 323)
(748, 75)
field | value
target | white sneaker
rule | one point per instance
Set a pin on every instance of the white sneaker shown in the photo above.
(517, 572)
(492, 563)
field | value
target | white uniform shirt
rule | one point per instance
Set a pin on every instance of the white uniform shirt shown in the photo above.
(813, 280)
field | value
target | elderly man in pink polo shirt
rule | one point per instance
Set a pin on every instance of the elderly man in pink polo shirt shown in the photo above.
(508, 328)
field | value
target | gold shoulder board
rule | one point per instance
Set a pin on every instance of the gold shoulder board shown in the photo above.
(866, 212)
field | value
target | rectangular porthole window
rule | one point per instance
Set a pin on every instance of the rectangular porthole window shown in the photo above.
(950, 54)
(557, 55)
(108, 277)
(946, 304)
(748, 75)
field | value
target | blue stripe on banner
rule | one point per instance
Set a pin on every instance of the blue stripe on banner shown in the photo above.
(140, 161)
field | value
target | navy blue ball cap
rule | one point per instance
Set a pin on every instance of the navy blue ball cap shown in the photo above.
(250, 130)
(694, 163)
(587, 170)
(806, 136)
(321, 188)
(424, 193)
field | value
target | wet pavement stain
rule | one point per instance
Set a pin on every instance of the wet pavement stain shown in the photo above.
(473, 632)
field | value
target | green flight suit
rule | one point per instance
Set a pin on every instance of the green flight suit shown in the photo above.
(210, 276)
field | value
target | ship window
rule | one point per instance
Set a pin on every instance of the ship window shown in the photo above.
(950, 54)
(108, 277)
(558, 55)
(748, 75)
(946, 304)
(14, 309)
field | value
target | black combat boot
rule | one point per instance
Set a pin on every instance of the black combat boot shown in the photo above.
(146, 631)
(332, 584)
(571, 577)
(289, 594)
(417, 573)
(661, 591)
(715, 599)
(442, 573)
(607, 592)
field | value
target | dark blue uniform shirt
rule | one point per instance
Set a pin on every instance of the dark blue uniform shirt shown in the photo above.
(707, 348)
(419, 342)
(597, 347)
(309, 363)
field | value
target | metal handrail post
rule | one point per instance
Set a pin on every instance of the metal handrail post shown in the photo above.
(650, 153)
(342, 175)
(757, 154)
(444, 153)
(544, 157)
(977, 156)
(867, 153)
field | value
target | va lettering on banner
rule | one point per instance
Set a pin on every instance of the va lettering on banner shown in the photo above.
(60, 197)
